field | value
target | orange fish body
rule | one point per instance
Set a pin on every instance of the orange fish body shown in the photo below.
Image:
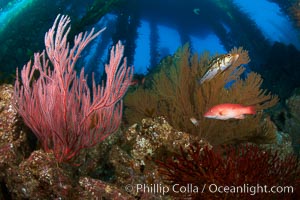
(229, 111)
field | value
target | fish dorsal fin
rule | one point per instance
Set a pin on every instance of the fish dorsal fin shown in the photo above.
(217, 61)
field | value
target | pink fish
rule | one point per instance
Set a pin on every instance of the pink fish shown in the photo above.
(229, 111)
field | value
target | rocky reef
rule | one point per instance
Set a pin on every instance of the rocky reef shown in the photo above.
(126, 157)
(124, 166)
(288, 119)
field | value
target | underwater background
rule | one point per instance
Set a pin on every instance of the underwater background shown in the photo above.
(155, 29)
(153, 129)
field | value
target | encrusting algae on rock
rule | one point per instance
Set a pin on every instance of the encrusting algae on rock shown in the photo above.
(146, 142)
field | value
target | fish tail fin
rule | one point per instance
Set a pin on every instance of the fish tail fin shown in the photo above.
(203, 79)
(194, 121)
(250, 110)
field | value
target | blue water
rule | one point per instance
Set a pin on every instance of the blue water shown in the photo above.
(161, 28)
(274, 25)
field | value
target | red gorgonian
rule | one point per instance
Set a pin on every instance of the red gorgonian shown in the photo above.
(58, 106)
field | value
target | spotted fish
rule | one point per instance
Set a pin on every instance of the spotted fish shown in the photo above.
(219, 64)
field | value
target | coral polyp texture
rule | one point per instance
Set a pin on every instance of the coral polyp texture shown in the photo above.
(175, 92)
(247, 170)
(58, 105)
